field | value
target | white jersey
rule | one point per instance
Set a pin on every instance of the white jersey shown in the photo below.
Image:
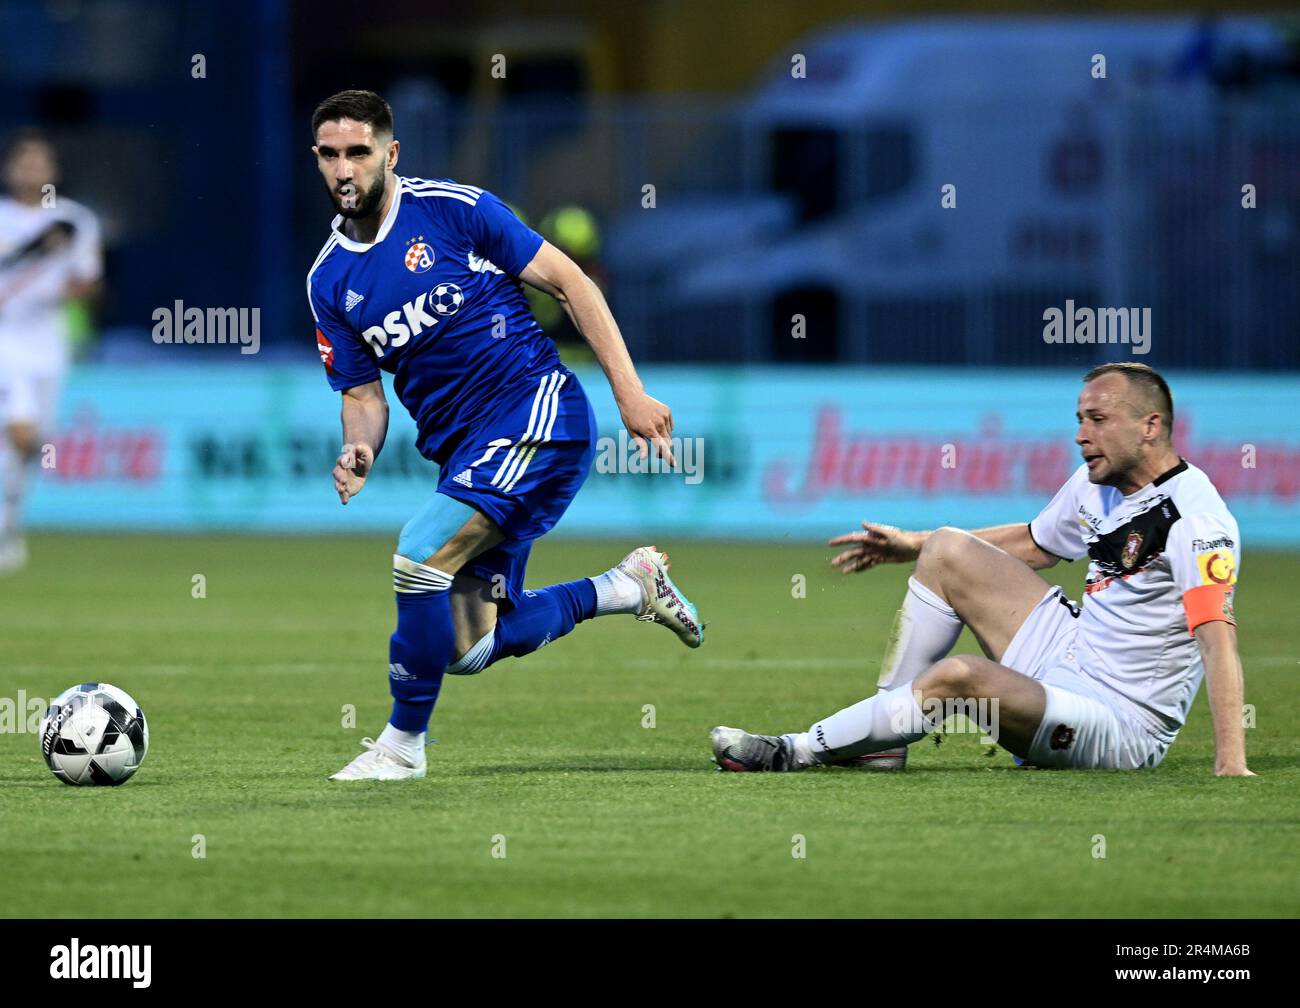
(42, 249)
(1163, 561)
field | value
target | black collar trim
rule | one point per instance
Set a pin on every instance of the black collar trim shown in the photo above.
(1163, 477)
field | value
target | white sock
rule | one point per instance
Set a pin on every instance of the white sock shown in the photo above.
(617, 592)
(475, 659)
(925, 630)
(885, 721)
(407, 744)
(803, 754)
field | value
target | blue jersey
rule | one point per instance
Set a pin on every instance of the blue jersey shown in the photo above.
(435, 303)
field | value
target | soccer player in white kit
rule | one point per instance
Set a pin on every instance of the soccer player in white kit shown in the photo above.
(49, 252)
(1102, 685)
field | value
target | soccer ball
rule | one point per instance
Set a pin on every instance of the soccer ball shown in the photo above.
(447, 299)
(94, 734)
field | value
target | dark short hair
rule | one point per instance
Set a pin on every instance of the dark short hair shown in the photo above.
(1150, 382)
(362, 106)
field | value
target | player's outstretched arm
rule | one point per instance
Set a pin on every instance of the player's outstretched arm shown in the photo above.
(878, 544)
(365, 425)
(1224, 683)
(646, 418)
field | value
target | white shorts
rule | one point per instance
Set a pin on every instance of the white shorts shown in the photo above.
(30, 395)
(1086, 726)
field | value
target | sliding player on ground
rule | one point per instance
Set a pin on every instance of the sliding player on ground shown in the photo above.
(418, 279)
(1102, 685)
(49, 254)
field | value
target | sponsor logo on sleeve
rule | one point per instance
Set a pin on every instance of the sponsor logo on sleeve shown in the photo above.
(1062, 737)
(1217, 568)
(326, 349)
(480, 265)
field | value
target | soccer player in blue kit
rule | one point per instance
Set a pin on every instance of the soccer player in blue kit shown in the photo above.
(421, 279)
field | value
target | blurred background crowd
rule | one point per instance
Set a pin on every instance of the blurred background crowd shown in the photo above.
(861, 187)
(778, 189)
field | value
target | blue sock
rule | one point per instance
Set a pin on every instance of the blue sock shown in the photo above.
(421, 646)
(541, 617)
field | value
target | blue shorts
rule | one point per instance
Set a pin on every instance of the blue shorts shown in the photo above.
(522, 467)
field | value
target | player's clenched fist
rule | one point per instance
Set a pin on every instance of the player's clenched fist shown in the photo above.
(877, 544)
(351, 469)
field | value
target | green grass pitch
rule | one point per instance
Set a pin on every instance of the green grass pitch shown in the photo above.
(245, 692)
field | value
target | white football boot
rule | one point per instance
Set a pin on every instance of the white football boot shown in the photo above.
(664, 602)
(379, 762)
(740, 751)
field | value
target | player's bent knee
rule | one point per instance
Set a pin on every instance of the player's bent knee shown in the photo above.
(940, 545)
(24, 439)
(414, 542)
(432, 528)
(954, 676)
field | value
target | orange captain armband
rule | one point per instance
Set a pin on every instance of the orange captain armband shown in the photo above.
(1207, 603)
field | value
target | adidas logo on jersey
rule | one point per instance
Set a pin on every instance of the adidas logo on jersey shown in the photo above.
(353, 299)
(465, 479)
